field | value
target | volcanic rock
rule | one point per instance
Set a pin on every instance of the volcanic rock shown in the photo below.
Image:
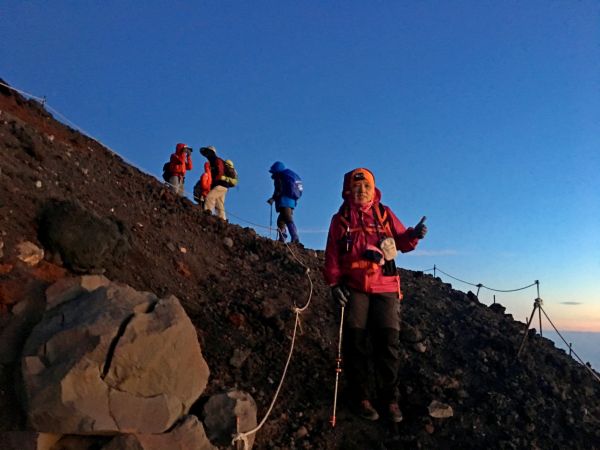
(187, 435)
(112, 360)
(225, 415)
(85, 241)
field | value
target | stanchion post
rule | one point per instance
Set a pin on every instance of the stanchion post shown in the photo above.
(536, 305)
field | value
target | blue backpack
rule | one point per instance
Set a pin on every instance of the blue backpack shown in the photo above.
(291, 184)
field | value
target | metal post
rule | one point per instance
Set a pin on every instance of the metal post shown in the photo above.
(570, 348)
(494, 299)
(479, 286)
(434, 271)
(535, 306)
(540, 315)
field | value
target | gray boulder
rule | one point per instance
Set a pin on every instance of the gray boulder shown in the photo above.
(187, 435)
(111, 360)
(225, 415)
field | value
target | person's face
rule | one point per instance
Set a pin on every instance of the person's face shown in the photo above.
(362, 192)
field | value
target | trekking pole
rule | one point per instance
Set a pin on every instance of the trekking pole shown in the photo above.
(338, 370)
(271, 223)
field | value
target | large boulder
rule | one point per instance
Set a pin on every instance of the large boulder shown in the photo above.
(187, 435)
(111, 360)
(84, 241)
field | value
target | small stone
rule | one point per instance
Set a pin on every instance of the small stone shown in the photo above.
(29, 253)
(1, 248)
(183, 249)
(228, 242)
(420, 347)
(440, 410)
(171, 246)
(239, 357)
(38, 184)
(429, 428)
(301, 432)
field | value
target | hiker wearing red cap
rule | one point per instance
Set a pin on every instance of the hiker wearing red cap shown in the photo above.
(180, 162)
(363, 240)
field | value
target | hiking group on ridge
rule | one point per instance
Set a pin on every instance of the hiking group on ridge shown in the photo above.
(363, 240)
(220, 175)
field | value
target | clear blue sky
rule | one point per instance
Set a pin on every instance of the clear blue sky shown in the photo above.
(484, 116)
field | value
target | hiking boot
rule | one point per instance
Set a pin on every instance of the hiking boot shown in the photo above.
(366, 411)
(395, 415)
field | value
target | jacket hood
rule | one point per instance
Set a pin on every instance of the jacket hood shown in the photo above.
(179, 148)
(277, 166)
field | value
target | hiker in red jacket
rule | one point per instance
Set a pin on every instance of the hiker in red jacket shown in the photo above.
(362, 243)
(202, 187)
(180, 162)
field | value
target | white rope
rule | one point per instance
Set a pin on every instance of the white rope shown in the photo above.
(39, 99)
(298, 311)
(536, 282)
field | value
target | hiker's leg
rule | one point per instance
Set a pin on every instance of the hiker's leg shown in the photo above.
(288, 217)
(356, 357)
(211, 199)
(177, 184)
(220, 202)
(281, 234)
(385, 323)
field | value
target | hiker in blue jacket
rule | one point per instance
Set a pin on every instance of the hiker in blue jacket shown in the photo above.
(288, 189)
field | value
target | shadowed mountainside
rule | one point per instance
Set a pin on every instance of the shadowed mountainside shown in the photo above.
(239, 290)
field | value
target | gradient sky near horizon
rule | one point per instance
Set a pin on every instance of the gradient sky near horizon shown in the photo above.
(483, 116)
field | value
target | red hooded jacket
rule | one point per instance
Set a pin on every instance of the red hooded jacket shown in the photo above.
(180, 161)
(347, 243)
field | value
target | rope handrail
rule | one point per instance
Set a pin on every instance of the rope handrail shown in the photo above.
(568, 346)
(243, 437)
(39, 99)
(537, 303)
(480, 285)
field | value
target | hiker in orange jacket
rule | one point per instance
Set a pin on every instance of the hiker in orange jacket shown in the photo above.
(202, 187)
(180, 162)
(362, 243)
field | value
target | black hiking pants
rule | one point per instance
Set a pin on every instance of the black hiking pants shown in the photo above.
(374, 316)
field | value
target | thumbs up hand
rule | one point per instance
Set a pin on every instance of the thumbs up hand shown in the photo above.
(421, 228)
